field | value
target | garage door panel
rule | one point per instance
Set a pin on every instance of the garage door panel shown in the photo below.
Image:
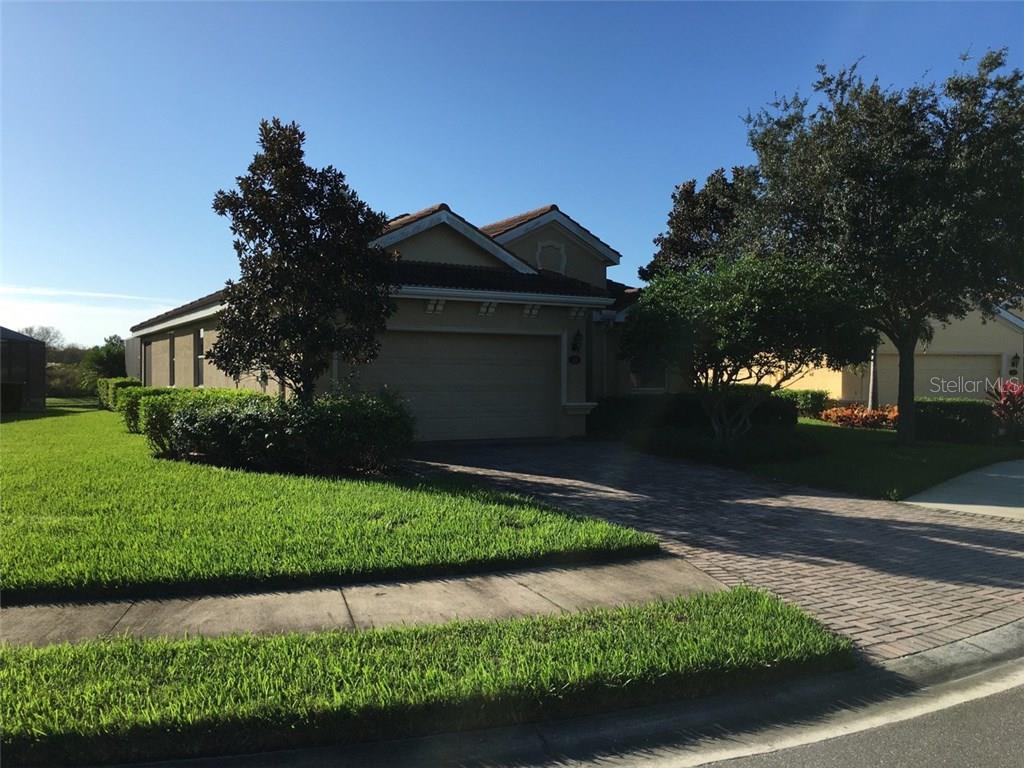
(471, 386)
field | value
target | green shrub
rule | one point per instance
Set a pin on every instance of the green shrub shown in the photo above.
(245, 433)
(106, 389)
(351, 432)
(809, 402)
(65, 380)
(156, 413)
(332, 435)
(618, 416)
(128, 399)
(955, 420)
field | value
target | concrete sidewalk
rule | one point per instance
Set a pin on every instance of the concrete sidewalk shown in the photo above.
(994, 490)
(433, 601)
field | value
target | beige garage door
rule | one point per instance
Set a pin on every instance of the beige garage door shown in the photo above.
(470, 386)
(959, 375)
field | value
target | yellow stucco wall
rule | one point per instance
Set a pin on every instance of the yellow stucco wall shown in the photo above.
(960, 360)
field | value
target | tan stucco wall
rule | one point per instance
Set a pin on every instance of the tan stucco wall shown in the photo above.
(159, 375)
(972, 335)
(955, 363)
(580, 261)
(443, 245)
(184, 359)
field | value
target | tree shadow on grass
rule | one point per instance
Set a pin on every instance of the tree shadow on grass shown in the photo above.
(60, 407)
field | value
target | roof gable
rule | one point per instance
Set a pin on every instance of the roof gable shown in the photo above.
(514, 227)
(412, 224)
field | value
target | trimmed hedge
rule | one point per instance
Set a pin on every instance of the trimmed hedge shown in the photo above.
(106, 389)
(156, 413)
(128, 399)
(334, 434)
(955, 420)
(809, 402)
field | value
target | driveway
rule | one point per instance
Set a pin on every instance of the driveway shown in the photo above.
(994, 490)
(897, 578)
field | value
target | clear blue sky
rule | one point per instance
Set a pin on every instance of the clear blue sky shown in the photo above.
(119, 122)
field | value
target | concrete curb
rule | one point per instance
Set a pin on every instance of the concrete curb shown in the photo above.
(664, 729)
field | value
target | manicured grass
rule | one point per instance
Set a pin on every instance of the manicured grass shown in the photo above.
(868, 462)
(87, 512)
(137, 699)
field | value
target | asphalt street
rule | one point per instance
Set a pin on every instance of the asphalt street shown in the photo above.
(984, 733)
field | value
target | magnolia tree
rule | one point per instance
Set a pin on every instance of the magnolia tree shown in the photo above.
(915, 197)
(729, 303)
(312, 282)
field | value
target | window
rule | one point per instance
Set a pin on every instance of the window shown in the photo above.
(170, 359)
(197, 371)
(147, 363)
(649, 378)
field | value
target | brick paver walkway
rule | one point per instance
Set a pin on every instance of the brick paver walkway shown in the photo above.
(896, 578)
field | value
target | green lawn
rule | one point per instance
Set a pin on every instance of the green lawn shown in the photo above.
(87, 512)
(140, 699)
(868, 462)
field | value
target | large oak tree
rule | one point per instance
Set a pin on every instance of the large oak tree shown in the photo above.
(312, 282)
(915, 196)
(729, 303)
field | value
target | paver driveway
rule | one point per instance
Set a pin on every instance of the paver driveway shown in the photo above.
(896, 578)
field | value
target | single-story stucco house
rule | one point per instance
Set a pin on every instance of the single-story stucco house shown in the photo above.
(963, 359)
(509, 330)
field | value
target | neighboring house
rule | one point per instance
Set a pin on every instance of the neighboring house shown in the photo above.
(504, 331)
(22, 372)
(963, 359)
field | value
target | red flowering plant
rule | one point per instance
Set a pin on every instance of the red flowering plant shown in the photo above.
(1008, 406)
(861, 417)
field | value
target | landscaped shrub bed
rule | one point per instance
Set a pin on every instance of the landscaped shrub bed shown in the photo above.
(809, 402)
(861, 417)
(333, 434)
(129, 700)
(156, 413)
(106, 389)
(955, 420)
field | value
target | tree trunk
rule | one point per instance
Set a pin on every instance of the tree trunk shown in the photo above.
(905, 430)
